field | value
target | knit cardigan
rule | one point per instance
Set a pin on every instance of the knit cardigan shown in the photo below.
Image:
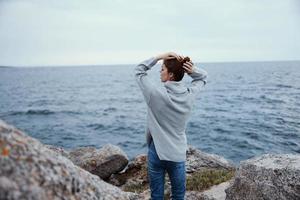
(168, 110)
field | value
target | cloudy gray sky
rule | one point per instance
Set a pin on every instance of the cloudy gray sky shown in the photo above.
(77, 32)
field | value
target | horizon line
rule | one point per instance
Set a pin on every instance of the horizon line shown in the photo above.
(93, 65)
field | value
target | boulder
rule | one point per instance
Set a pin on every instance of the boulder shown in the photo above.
(135, 174)
(267, 177)
(135, 178)
(217, 192)
(195, 195)
(102, 162)
(58, 150)
(199, 160)
(29, 170)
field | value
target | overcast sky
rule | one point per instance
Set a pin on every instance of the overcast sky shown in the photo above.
(74, 32)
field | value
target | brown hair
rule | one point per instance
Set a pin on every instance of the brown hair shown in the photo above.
(176, 67)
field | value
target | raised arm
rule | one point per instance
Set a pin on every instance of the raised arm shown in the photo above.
(142, 78)
(141, 75)
(199, 77)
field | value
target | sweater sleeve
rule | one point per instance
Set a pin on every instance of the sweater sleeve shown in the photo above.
(142, 78)
(199, 77)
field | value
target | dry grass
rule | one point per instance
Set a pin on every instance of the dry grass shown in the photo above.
(198, 181)
(203, 180)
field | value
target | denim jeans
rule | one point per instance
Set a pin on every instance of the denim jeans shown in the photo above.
(156, 175)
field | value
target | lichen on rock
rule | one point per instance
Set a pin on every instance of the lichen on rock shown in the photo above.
(32, 171)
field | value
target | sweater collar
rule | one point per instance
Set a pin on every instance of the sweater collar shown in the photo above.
(175, 87)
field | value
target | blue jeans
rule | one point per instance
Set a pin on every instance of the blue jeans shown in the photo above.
(156, 175)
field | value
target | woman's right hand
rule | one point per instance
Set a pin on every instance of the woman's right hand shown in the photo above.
(188, 67)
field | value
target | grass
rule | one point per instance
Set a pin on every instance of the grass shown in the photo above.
(198, 181)
(136, 188)
(204, 179)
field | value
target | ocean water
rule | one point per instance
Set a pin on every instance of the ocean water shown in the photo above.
(246, 109)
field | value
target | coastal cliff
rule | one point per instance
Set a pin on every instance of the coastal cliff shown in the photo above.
(32, 170)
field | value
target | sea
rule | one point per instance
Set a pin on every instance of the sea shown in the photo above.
(246, 109)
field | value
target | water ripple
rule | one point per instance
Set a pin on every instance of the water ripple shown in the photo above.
(245, 109)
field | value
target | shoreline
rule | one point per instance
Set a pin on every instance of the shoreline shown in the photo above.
(52, 172)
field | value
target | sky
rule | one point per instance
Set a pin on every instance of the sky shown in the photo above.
(100, 32)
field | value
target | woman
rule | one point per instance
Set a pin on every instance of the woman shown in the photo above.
(169, 108)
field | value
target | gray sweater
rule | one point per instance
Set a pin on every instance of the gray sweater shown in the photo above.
(168, 110)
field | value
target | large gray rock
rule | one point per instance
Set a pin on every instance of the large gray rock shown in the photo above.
(268, 177)
(199, 160)
(194, 195)
(58, 150)
(217, 192)
(102, 162)
(29, 170)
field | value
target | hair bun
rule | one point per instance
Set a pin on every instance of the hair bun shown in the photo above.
(186, 59)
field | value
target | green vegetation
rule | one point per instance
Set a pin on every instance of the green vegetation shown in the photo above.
(198, 181)
(140, 173)
(137, 187)
(204, 179)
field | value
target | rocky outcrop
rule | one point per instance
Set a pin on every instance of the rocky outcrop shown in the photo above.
(199, 160)
(134, 178)
(216, 192)
(194, 195)
(58, 150)
(102, 162)
(268, 177)
(134, 174)
(29, 170)
(108, 160)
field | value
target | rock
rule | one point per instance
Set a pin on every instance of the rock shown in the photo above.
(135, 178)
(135, 174)
(29, 170)
(268, 177)
(146, 195)
(198, 160)
(108, 160)
(217, 192)
(58, 150)
(194, 195)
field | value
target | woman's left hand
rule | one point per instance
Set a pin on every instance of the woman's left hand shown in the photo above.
(169, 55)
